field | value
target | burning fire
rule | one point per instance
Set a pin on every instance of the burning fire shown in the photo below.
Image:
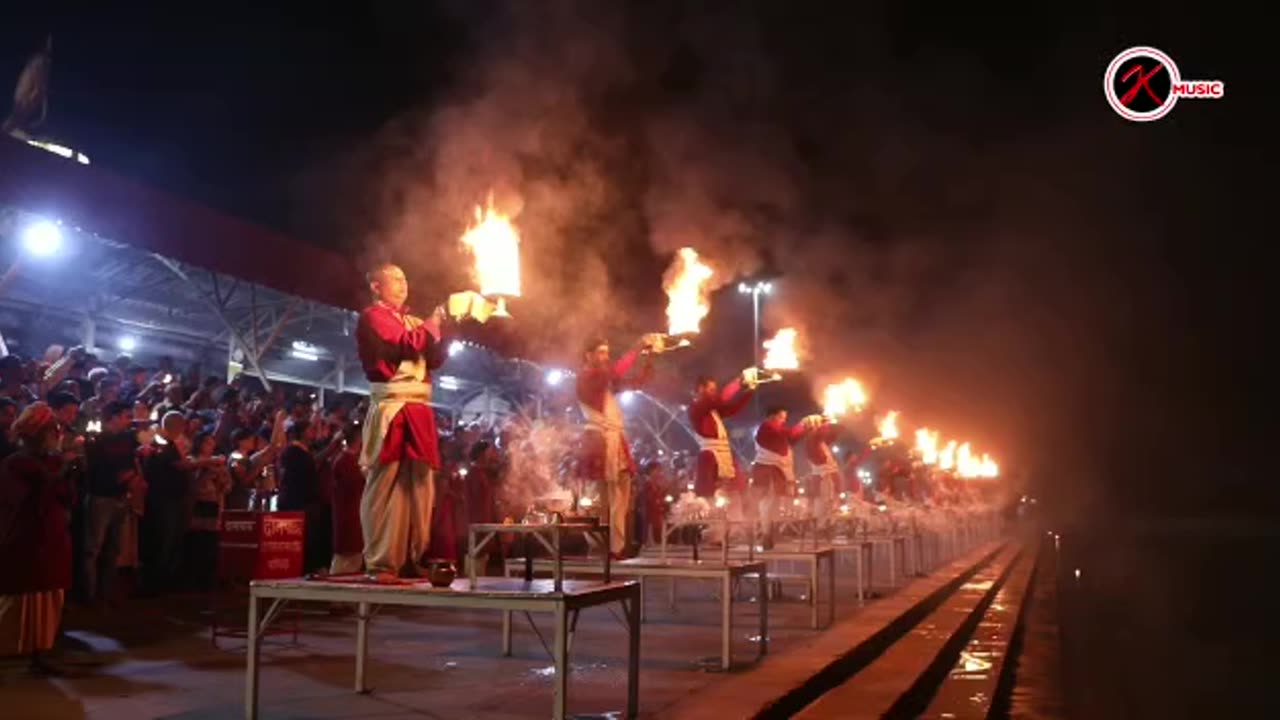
(496, 246)
(927, 446)
(840, 398)
(989, 467)
(947, 457)
(780, 351)
(888, 426)
(967, 464)
(686, 284)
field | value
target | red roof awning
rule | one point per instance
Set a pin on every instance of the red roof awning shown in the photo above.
(121, 210)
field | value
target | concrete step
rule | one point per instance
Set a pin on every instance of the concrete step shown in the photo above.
(904, 668)
(787, 682)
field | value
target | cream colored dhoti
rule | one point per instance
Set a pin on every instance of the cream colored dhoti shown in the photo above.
(617, 476)
(395, 510)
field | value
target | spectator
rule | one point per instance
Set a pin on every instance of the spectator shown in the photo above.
(13, 376)
(210, 482)
(106, 391)
(112, 469)
(166, 471)
(34, 502)
(348, 489)
(300, 492)
(8, 413)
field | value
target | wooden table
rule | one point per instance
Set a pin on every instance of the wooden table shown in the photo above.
(726, 573)
(547, 534)
(508, 595)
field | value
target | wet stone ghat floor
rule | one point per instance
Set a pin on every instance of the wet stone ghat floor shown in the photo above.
(154, 659)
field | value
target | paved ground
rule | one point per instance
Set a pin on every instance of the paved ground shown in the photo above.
(157, 662)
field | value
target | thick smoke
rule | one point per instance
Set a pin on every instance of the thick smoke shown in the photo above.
(942, 245)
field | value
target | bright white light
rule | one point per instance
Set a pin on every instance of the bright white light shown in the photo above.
(456, 347)
(1077, 573)
(835, 449)
(669, 499)
(767, 288)
(742, 288)
(585, 502)
(301, 355)
(462, 472)
(305, 347)
(449, 382)
(42, 238)
(627, 396)
(237, 455)
(554, 377)
(128, 343)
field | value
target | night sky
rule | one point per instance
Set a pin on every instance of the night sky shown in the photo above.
(952, 209)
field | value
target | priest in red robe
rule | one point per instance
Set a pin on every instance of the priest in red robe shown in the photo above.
(603, 455)
(716, 465)
(824, 471)
(400, 452)
(773, 471)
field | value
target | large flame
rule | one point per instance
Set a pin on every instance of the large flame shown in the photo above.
(839, 398)
(989, 468)
(888, 426)
(780, 351)
(686, 283)
(494, 242)
(968, 464)
(927, 446)
(947, 456)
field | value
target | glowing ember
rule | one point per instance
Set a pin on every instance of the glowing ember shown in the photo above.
(927, 446)
(888, 426)
(686, 284)
(839, 398)
(947, 456)
(496, 247)
(780, 351)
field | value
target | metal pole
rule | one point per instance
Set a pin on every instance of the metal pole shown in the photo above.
(755, 348)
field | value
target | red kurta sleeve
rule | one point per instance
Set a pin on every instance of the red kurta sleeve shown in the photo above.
(733, 398)
(383, 342)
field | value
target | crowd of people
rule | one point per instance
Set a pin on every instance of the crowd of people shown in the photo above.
(113, 477)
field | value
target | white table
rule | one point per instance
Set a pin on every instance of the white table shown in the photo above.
(548, 535)
(726, 573)
(722, 521)
(502, 594)
(813, 559)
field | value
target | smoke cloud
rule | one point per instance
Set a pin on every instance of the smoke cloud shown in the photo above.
(967, 257)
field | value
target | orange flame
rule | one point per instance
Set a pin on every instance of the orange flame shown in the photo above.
(927, 446)
(496, 246)
(780, 351)
(686, 283)
(947, 456)
(968, 464)
(989, 468)
(839, 398)
(888, 426)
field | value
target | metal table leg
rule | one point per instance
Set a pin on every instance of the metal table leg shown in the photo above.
(633, 654)
(362, 644)
(251, 664)
(560, 707)
(506, 633)
(726, 622)
(813, 591)
(764, 612)
(831, 589)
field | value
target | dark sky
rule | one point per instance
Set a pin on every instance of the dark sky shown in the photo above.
(956, 213)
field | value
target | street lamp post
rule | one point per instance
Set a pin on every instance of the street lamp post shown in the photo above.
(755, 290)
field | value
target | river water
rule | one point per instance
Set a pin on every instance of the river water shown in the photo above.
(1158, 621)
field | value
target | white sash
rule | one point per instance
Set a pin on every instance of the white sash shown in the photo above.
(828, 466)
(408, 385)
(719, 447)
(610, 425)
(765, 456)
